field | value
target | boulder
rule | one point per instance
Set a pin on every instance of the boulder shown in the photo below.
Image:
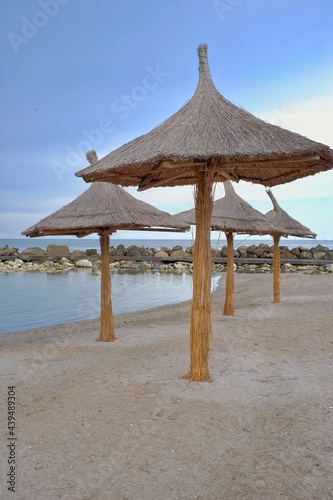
(77, 254)
(90, 252)
(8, 251)
(34, 251)
(161, 254)
(296, 251)
(319, 255)
(83, 263)
(176, 247)
(116, 252)
(179, 254)
(166, 250)
(134, 251)
(57, 250)
(215, 252)
(242, 251)
(261, 248)
(305, 254)
(285, 254)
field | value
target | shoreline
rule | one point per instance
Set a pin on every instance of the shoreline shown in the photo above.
(120, 418)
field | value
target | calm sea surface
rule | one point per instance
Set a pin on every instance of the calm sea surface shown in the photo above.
(32, 300)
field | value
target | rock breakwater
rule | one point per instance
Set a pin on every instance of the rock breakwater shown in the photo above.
(59, 259)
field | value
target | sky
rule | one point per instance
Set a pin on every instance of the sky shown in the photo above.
(94, 74)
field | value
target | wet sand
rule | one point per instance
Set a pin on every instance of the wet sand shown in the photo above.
(115, 421)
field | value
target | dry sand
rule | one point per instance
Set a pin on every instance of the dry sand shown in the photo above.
(114, 421)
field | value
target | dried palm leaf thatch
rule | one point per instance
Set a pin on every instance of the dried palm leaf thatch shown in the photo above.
(209, 126)
(105, 206)
(232, 214)
(292, 228)
(102, 209)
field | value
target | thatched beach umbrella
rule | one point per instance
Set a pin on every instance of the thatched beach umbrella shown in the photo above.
(292, 228)
(209, 139)
(232, 214)
(102, 209)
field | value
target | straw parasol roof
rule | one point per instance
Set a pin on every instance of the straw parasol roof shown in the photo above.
(105, 207)
(102, 209)
(292, 228)
(209, 127)
(208, 140)
(280, 217)
(232, 214)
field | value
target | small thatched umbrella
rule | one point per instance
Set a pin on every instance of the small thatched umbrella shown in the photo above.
(291, 228)
(232, 214)
(102, 209)
(209, 139)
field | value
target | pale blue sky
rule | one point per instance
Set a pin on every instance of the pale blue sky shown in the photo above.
(80, 73)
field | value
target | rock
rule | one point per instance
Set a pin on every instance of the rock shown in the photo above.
(251, 251)
(57, 250)
(179, 254)
(328, 268)
(215, 252)
(91, 252)
(261, 248)
(189, 250)
(305, 254)
(114, 266)
(285, 254)
(242, 251)
(66, 263)
(319, 248)
(161, 254)
(134, 251)
(224, 251)
(8, 251)
(116, 252)
(83, 263)
(319, 255)
(78, 254)
(176, 247)
(296, 251)
(166, 250)
(35, 251)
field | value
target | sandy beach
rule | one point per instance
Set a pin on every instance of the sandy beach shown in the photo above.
(115, 421)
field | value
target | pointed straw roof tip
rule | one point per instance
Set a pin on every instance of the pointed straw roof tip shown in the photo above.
(234, 215)
(292, 226)
(92, 157)
(105, 207)
(210, 130)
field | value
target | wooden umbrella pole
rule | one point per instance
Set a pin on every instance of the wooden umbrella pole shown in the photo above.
(229, 307)
(276, 270)
(107, 321)
(202, 265)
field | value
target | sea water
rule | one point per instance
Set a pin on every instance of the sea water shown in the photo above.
(32, 300)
